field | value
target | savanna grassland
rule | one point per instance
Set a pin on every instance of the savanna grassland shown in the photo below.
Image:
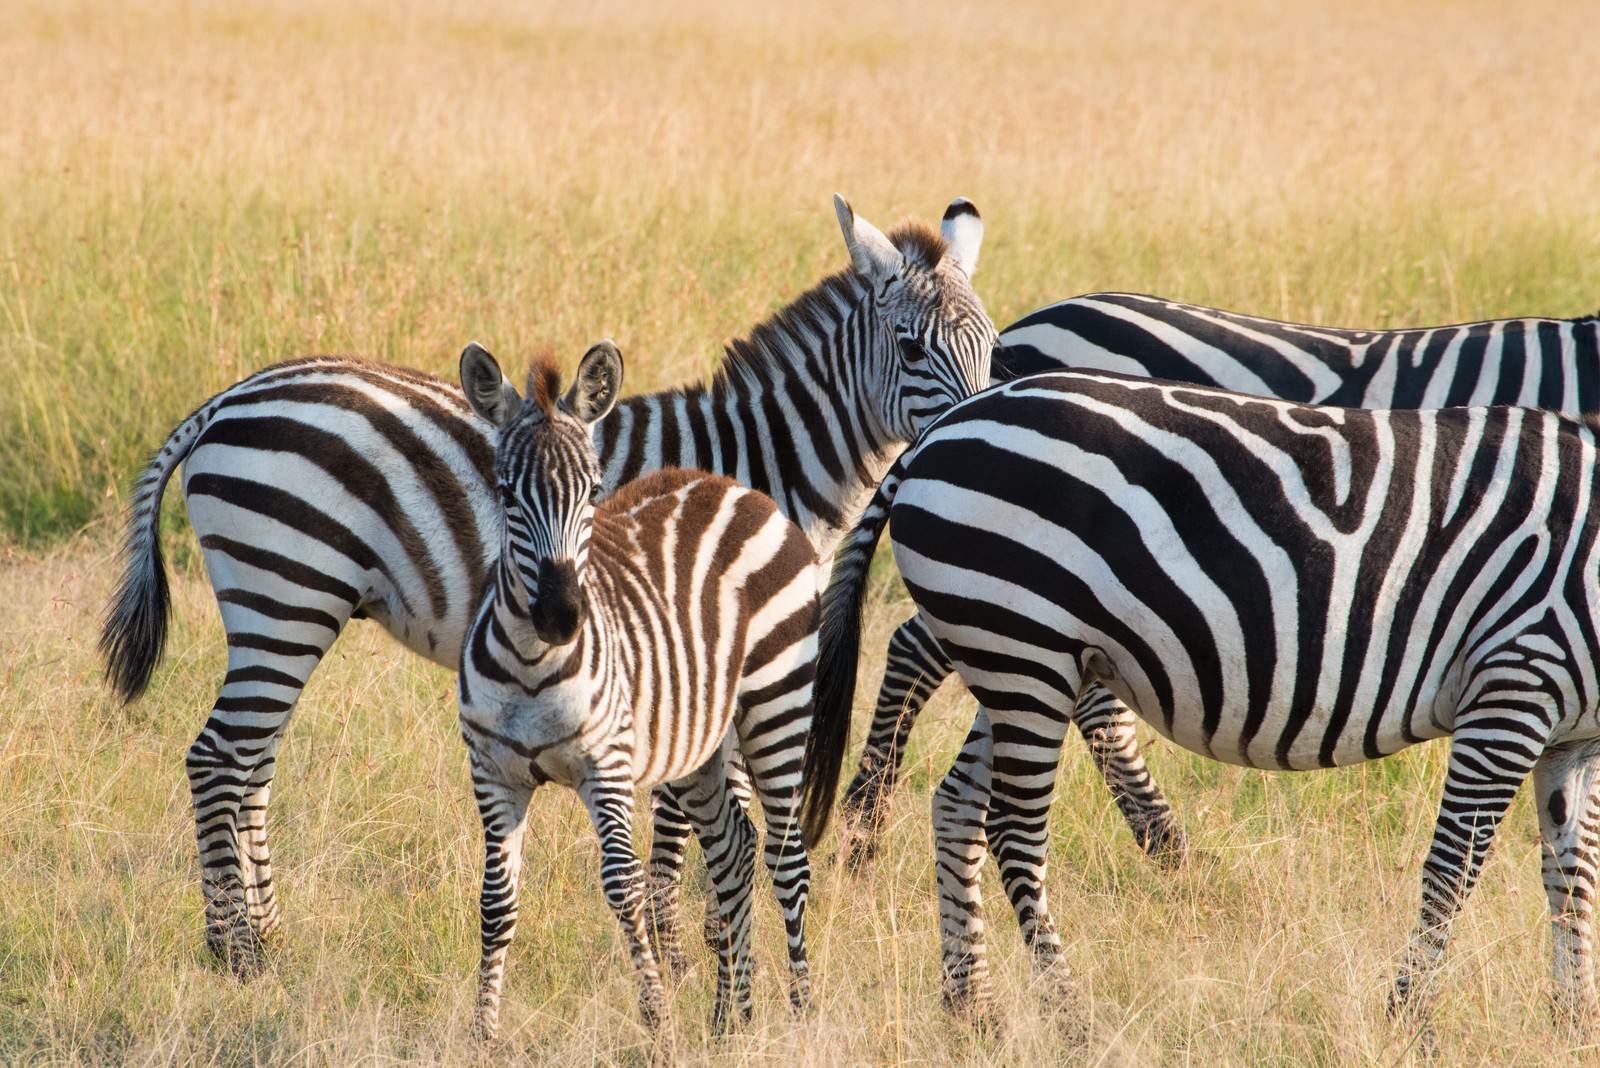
(189, 191)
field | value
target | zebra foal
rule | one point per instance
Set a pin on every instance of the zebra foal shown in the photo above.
(1535, 362)
(615, 646)
(1269, 584)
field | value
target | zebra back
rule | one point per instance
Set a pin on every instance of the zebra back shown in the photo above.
(1535, 362)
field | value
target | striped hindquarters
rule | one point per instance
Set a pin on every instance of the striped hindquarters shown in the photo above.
(1274, 585)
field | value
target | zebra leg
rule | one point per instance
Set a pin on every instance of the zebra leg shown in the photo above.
(1107, 726)
(1027, 753)
(229, 765)
(728, 840)
(1564, 783)
(775, 771)
(960, 805)
(739, 782)
(1491, 753)
(608, 795)
(669, 837)
(915, 667)
(504, 811)
(261, 899)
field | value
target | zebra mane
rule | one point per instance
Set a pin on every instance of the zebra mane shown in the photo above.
(544, 381)
(770, 344)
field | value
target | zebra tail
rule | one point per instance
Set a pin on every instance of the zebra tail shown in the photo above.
(135, 630)
(839, 650)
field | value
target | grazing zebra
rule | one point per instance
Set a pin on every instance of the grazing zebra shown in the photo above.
(1539, 363)
(1270, 584)
(614, 647)
(328, 489)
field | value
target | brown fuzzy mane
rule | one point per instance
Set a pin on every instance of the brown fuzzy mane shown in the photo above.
(544, 381)
(919, 243)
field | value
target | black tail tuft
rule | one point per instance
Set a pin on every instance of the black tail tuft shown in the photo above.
(838, 654)
(135, 630)
(136, 624)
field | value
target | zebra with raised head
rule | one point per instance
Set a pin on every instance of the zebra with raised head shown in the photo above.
(1539, 363)
(328, 489)
(1270, 584)
(616, 645)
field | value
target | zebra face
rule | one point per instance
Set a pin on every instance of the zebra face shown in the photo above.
(548, 478)
(934, 338)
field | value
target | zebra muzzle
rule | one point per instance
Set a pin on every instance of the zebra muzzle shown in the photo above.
(558, 610)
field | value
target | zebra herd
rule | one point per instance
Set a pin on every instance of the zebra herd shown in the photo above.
(1283, 546)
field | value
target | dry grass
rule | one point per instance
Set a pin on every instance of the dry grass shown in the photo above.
(190, 190)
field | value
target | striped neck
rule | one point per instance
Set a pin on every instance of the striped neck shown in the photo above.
(799, 410)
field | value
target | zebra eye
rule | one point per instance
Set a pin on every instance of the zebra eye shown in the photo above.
(912, 350)
(595, 494)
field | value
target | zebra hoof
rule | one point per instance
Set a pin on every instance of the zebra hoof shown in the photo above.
(860, 850)
(1576, 1018)
(241, 949)
(1166, 844)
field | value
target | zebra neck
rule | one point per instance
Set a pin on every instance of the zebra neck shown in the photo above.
(797, 411)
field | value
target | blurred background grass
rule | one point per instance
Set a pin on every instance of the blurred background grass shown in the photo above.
(190, 190)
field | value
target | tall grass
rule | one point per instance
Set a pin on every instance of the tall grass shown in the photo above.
(191, 190)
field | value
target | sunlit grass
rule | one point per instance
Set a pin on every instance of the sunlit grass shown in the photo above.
(190, 191)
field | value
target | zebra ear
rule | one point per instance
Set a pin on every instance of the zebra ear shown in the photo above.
(873, 255)
(597, 385)
(962, 231)
(487, 390)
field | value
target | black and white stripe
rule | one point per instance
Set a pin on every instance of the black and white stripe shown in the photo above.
(1540, 363)
(329, 489)
(1270, 584)
(615, 647)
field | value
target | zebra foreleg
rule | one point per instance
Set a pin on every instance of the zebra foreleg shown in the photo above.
(1107, 726)
(1569, 823)
(608, 795)
(1483, 775)
(504, 812)
(960, 807)
(915, 667)
(728, 840)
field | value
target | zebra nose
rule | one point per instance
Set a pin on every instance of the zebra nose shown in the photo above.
(559, 609)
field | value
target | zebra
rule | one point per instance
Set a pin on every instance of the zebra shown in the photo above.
(1540, 363)
(616, 643)
(327, 489)
(1270, 584)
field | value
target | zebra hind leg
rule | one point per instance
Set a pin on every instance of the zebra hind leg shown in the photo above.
(1483, 775)
(1026, 757)
(915, 667)
(1569, 825)
(729, 841)
(608, 796)
(774, 770)
(960, 805)
(260, 896)
(669, 838)
(1107, 726)
(230, 766)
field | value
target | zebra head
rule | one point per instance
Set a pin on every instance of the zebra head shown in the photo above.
(933, 339)
(548, 477)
